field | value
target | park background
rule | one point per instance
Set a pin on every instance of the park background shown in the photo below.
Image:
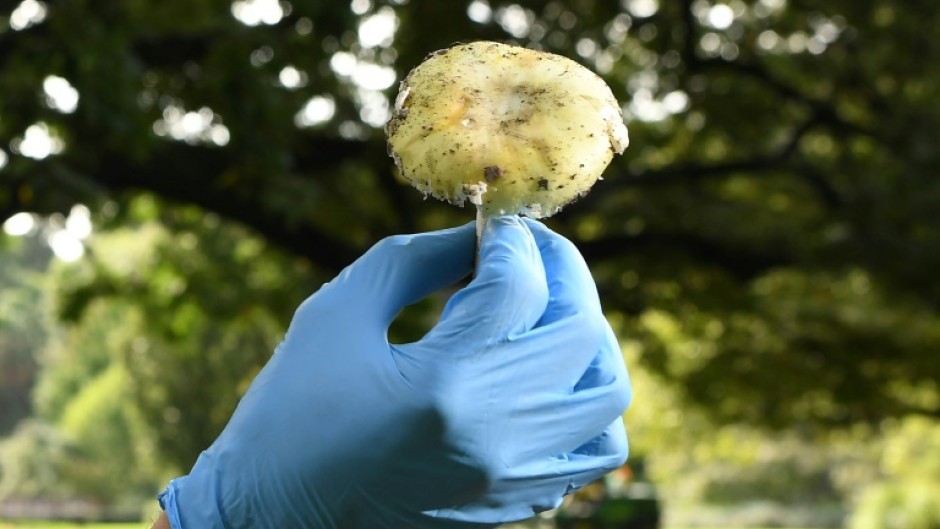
(177, 175)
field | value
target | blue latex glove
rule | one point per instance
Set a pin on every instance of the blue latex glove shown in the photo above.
(510, 402)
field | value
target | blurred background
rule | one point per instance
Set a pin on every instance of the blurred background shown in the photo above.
(177, 175)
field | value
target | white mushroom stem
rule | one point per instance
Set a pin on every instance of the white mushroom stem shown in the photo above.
(481, 223)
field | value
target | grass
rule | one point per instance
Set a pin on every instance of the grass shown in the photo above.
(70, 525)
(139, 525)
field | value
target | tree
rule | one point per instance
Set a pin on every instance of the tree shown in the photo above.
(771, 235)
(909, 493)
(24, 325)
(186, 309)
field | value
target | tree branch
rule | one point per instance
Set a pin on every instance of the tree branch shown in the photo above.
(174, 181)
(822, 109)
(685, 171)
(174, 51)
(688, 35)
(743, 262)
(783, 159)
(191, 174)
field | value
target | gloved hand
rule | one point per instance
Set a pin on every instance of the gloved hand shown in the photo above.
(510, 402)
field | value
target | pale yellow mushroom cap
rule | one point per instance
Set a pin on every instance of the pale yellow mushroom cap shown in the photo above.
(510, 129)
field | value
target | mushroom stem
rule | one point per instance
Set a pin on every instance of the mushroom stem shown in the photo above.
(481, 222)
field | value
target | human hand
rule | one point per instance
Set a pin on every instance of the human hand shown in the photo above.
(510, 402)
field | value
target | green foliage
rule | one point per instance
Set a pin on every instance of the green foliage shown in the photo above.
(733, 473)
(74, 358)
(738, 474)
(115, 458)
(95, 454)
(190, 309)
(692, 458)
(24, 323)
(33, 524)
(835, 326)
(31, 462)
(90, 443)
(908, 495)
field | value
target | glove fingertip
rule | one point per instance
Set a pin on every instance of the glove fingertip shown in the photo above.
(510, 261)
(508, 228)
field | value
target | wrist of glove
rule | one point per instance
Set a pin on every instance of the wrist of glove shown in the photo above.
(510, 402)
